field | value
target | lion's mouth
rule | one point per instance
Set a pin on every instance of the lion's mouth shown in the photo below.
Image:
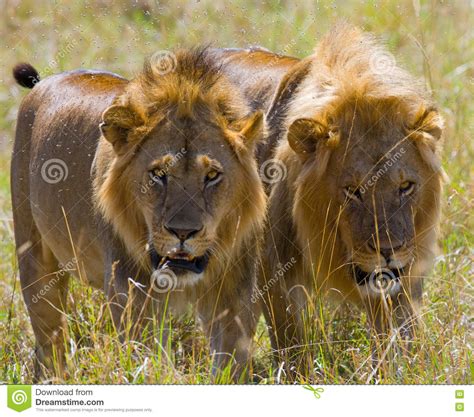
(179, 261)
(362, 277)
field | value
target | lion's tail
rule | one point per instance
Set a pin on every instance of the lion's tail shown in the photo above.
(26, 75)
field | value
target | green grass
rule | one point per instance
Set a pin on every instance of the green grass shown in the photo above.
(435, 41)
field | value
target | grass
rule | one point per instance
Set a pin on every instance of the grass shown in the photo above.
(432, 39)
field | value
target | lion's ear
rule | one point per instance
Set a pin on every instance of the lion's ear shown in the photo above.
(426, 131)
(249, 130)
(117, 121)
(302, 136)
(429, 122)
(252, 128)
(305, 134)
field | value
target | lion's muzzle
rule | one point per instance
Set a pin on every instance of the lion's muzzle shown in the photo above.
(383, 281)
(179, 262)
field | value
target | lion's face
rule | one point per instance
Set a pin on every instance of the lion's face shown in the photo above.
(184, 177)
(182, 191)
(181, 186)
(379, 190)
(381, 186)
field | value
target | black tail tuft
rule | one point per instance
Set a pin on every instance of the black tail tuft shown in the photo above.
(26, 75)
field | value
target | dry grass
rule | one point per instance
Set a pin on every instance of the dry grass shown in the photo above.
(433, 40)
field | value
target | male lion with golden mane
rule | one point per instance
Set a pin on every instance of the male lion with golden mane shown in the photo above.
(161, 206)
(355, 180)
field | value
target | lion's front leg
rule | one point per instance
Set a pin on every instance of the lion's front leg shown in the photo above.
(44, 288)
(283, 302)
(396, 313)
(230, 324)
(129, 294)
(394, 322)
(230, 337)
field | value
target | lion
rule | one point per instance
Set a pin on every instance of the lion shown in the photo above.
(148, 189)
(355, 181)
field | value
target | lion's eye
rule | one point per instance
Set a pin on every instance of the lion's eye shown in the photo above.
(158, 175)
(354, 193)
(212, 177)
(406, 188)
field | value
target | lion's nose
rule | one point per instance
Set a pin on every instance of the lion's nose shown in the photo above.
(182, 234)
(386, 252)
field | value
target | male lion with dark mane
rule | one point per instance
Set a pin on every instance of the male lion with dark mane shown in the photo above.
(161, 206)
(354, 143)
